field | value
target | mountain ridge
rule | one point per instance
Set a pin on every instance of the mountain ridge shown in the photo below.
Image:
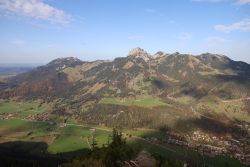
(139, 52)
(182, 92)
(83, 84)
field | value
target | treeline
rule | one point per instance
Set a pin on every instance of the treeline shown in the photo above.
(128, 116)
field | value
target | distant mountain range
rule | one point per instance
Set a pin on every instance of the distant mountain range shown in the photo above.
(182, 80)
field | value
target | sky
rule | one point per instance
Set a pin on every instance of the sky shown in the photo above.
(38, 31)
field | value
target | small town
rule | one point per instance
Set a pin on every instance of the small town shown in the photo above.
(225, 146)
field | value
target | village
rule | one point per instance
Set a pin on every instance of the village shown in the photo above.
(209, 145)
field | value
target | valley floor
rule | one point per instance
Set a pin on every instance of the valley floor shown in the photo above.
(69, 138)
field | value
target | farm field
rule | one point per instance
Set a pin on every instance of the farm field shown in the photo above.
(59, 139)
(72, 138)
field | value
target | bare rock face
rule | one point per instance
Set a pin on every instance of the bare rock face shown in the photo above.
(62, 63)
(160, 54)
(140, 53)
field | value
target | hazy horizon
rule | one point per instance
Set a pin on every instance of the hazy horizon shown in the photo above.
(36, 64)
(38, 31)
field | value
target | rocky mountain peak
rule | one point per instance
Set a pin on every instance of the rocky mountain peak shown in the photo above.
(65, 60)
(61, 63)
(139, 53)
(160, 54)
(208, 57)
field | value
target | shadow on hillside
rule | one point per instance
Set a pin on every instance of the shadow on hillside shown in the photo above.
(203, 123)
(240, 78)
(23, 153)
(208, 125)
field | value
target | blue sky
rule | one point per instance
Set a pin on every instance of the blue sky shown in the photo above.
(37, 31)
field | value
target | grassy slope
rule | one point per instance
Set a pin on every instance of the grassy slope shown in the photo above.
(73, 138)
(147, 102)
(232, 110)
(22, 109)
(68, 138)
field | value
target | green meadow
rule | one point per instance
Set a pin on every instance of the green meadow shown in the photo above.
(72, 138)
(59, 139)
(22, 109)
(146, 102)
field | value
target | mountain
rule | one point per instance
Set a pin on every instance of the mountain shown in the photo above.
(96, 91)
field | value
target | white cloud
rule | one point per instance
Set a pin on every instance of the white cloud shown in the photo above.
(243, 2)
(185, 36)
(136, 37)
(36, 9)
(243, 25)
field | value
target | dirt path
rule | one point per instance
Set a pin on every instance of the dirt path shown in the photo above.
(236, 100)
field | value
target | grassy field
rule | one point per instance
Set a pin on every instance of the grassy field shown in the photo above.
(71, 138)
(16, 129)
(233, 110)
(22, 109)
(147, 102)
(59, 139)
